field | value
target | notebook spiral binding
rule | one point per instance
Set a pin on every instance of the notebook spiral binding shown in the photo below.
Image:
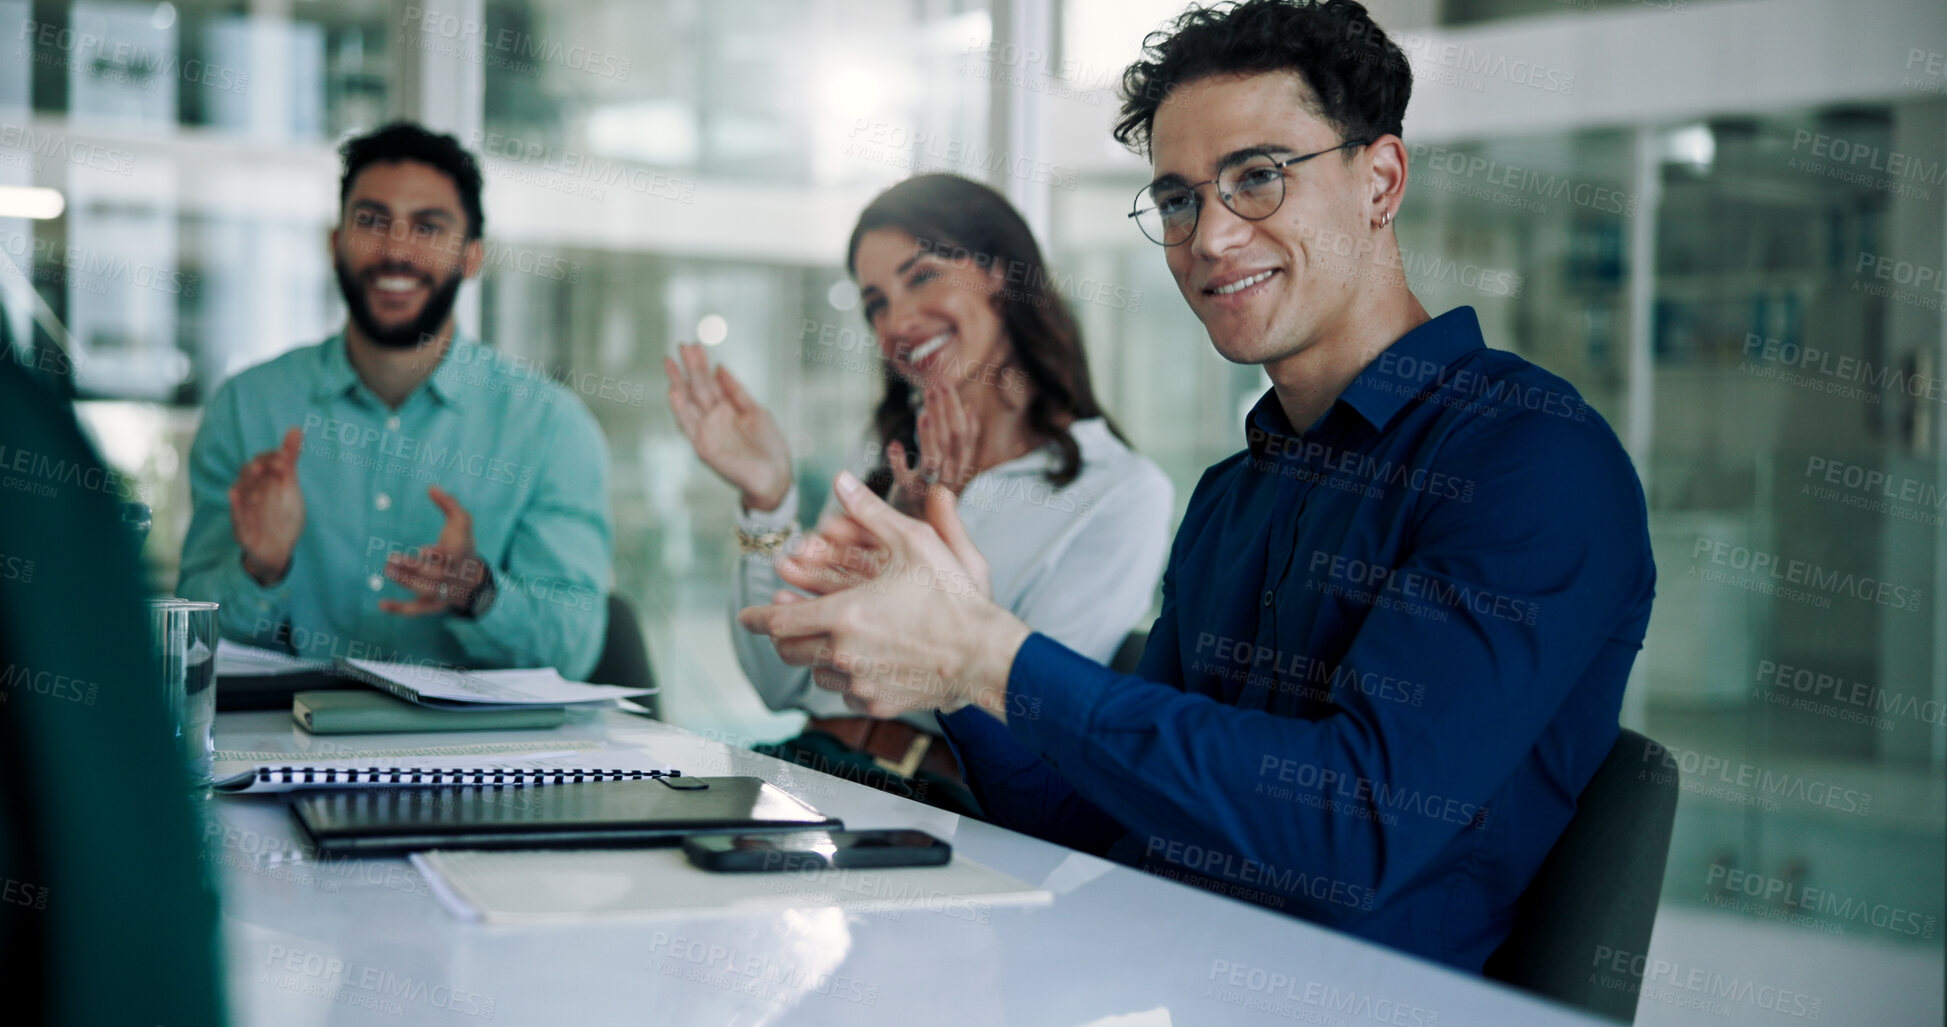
(455, 776)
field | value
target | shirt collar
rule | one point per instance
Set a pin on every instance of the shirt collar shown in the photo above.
(1267, 423)
(1410, 366)
(448, 383)
(336, 376)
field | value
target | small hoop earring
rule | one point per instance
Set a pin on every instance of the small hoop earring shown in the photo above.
(1385, 219)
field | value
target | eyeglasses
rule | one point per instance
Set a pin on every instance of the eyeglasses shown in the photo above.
(1253, 189)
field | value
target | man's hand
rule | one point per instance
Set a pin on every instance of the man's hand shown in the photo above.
(838, 554)
(447, 575)
(267, 509)
(921, 634)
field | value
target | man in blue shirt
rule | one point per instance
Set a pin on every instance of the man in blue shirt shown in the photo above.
(1395, 629)
(396, 492)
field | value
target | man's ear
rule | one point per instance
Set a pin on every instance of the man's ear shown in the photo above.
(1389, 169)
(472, 256)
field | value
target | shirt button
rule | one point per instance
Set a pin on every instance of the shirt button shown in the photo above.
(375, 582)
(1268, 596)
(382, 501)
(392, 424)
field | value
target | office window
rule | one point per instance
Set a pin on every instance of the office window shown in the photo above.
(1794, 486)
(192, 145)
(690, 171)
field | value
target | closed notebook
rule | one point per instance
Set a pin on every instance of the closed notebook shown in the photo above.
(360, 711)
(658, 811)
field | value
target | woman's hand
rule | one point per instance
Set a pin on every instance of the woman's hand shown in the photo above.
(730, 432)
(949, 444)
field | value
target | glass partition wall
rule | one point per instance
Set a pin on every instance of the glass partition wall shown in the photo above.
(1797, 502)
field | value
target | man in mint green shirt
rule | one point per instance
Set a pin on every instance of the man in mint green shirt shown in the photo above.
(396, 492)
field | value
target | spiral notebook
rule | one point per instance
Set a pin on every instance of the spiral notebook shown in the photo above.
(418, 772)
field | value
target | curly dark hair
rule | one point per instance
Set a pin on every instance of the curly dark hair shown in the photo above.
(1359, 78)
(404, 140)
(954, 215)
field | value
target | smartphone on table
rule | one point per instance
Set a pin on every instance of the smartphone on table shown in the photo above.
(781, 851)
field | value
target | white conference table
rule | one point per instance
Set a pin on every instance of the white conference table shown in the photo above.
(365, 942)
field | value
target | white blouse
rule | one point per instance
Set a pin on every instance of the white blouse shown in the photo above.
(1079, 564)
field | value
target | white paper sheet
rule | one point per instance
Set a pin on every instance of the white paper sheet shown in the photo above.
(543, 686)
(238, 660)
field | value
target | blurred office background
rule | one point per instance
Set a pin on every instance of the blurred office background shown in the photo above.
(1670, 203)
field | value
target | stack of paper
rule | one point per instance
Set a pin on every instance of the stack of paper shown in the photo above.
(443, 686)
(237, 660)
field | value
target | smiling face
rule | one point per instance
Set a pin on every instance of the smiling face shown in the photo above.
(1265, 290)
(402, 251)
(933, 316)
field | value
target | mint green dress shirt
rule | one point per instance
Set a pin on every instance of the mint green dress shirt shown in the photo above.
(519, 451)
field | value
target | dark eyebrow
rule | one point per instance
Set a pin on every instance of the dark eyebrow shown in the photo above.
(1260, 150)
(908, 265)
(423, 213)
(1231, 159)
(866, 290)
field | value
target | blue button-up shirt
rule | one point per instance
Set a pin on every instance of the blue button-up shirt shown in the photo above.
(1391, 654)
(520, 452)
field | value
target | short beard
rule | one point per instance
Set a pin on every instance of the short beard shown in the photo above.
(421, 329)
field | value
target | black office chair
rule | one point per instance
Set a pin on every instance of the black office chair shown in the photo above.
(1129, 653)
(625, 656)
(1594, 898)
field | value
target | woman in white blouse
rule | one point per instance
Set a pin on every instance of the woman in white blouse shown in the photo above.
(988, 394)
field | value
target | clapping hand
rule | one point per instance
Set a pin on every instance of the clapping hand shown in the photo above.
(731, 432)
(447, 575)
(920, 633)
(949, 444)
(267, 509)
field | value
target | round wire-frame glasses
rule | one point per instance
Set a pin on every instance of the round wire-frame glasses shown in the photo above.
(1253, 189)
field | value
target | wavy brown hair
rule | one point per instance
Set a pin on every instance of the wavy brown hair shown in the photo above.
(956, 217)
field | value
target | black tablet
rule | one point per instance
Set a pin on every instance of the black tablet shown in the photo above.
(661, 811)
